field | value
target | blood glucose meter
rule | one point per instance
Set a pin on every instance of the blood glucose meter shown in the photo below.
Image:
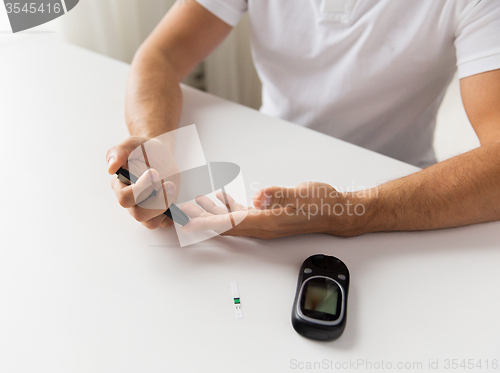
(320, 307)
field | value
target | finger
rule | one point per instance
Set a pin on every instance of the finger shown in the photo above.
(166, 223)
(192, 210)
(117, 156)
(123, 193)
(233, 206)
(171, 192)
(145, 185)
(226, 199)
(127, 196)
(155, 222)
(209, 206)
(142, 215)
(218, 223)
(155, 201)
(149, 208)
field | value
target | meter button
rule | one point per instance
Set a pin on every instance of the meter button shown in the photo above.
(307, 270)
(341, 277)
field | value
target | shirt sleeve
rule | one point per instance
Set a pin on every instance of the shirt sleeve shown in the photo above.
(229, 11)
(477, 37)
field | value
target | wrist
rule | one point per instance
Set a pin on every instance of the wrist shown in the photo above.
(357, 213)
(149, 127)
(368, 220)
(155, 133)
(144, 131)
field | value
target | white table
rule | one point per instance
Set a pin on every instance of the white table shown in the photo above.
(84, 288)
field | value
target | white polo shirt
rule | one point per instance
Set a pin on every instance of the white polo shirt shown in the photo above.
(370, 72)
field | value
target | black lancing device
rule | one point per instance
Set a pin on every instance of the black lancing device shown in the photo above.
(173, 212)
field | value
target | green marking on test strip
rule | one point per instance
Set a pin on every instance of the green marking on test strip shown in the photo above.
(236, 300)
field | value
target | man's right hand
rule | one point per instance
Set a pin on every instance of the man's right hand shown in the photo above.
(135, 154)
(186, 35)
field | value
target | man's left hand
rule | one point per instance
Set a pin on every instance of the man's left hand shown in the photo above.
(310, 207)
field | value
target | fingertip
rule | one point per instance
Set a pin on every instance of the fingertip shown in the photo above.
(265, 197)
(166, 223)
(111, 164)
(150, 227)
(155, 175)
(169, 187)
(115, 158)
(186, 228)
(219, 195)
(256, 198)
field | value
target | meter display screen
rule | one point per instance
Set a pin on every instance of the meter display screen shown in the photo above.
(321, 299)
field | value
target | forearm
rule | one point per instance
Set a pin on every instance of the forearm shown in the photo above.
(153, 98)
(460, 191)
(186, 35)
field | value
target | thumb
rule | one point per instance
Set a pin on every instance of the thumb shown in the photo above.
(274, 196)
(117, 156)
(145, 185)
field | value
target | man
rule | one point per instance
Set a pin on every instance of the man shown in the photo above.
(371, 72)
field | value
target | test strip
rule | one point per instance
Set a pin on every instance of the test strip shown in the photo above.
(236, 300)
